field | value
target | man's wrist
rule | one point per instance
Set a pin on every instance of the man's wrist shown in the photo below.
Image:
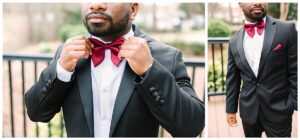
(63, 74)
(145, 73)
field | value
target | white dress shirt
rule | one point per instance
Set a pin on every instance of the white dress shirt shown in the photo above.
(253, 47)
(106, 79)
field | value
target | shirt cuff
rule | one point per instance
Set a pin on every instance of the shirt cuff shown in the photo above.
(63, 74)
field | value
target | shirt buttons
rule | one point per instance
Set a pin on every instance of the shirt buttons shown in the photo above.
(105, 90)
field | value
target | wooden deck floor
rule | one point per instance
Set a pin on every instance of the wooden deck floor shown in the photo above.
(217, 124)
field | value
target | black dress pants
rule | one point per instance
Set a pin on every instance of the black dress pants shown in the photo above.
(271, 129)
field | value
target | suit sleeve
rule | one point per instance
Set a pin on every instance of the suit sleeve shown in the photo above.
(172, 100)
(233, 83)
(44, 99)
(292, 65)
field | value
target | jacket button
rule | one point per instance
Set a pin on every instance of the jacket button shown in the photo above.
(161, 102)
(44, 89)
(49, 81)
(257, 84)
(157, 98)
(151, 89)
(47, 85)
(155, 94)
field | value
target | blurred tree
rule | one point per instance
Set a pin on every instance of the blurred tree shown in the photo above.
(230, 13)
(293, 11)
(73, 24)
(192, 8)
(154, 16)
(211, 7)
(284, 11)
(72, 17)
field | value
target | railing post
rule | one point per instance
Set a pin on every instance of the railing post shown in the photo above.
(11, 100)
(23, 97)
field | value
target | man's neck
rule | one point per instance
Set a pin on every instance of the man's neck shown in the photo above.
(110, 38)
(248, 20)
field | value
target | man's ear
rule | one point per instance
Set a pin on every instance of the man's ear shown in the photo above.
(134, 10)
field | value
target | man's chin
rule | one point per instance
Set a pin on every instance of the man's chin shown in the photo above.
(258, 17)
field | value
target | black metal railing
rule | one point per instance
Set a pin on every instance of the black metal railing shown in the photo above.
(16, 66)
(217, 63)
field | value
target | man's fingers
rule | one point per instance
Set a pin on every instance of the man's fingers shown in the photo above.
(125, 53)
(76, 38)
(80, 48)
(80, 54)
(232, 122)
(89, 45)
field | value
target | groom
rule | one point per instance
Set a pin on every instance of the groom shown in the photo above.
(116, 82)
(262, 57)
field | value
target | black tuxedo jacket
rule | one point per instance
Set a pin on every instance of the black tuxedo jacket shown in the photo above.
(274, 90)
(163, 97)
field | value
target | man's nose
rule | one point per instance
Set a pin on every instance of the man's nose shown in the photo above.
(98, 6)
(258, 4)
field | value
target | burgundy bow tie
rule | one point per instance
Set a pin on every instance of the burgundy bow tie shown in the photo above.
(249, 28)
(98, 52)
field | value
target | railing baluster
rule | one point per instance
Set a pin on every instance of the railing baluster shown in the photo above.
(23, 97)
(35, 80)
(222, 67)
(11, 100)
(193, 76)
(214, 68)
(61, 125)
(49, 124)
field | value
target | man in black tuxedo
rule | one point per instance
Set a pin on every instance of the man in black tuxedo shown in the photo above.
(263, 55)
(117, 81)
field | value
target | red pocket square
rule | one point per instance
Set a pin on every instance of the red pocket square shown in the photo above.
(278, 47)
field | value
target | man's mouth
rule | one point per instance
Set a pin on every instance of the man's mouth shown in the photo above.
(257, 10)
(96, 18)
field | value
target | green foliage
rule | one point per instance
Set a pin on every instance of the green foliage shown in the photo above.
(74, 17)
(55, 127)
(194, 48)
(71, 30)
(274, 10)
(73, 25)
(220, 80)
(218, 28)
(293, 11)
(45, 47)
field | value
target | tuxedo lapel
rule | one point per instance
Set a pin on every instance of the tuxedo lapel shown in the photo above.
(126, 87)
(124, 93)
(84, 81)
(240, 46)
(270, 31)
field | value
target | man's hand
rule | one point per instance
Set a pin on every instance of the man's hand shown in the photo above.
(74, 49)
(136, 51)
(231, 119)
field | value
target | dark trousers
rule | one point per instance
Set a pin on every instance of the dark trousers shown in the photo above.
(271, 129)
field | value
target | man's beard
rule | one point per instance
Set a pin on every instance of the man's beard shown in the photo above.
(98, 30)
(256, 17)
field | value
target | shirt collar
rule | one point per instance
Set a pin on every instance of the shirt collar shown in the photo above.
(126, 36)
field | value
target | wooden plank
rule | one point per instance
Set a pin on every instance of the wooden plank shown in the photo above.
(217, 123)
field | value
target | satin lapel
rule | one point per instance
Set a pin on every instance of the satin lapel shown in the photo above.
(240, 46)
(126, 87)
(270, 31)
(84, 81)
(123, 96)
